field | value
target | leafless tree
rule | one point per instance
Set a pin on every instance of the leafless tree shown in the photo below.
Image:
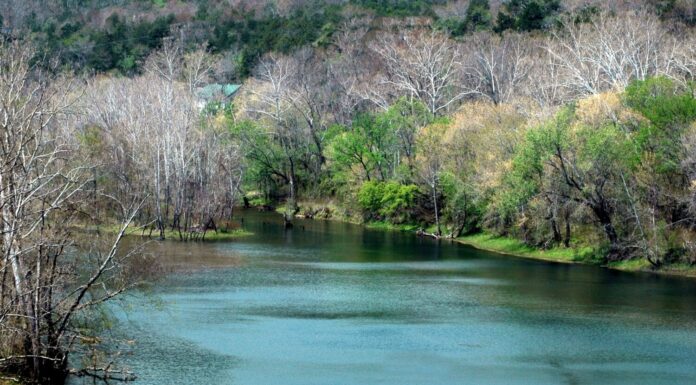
(47, 279)
(166, 149)
(497, 66)
(424, 65)
(609, 52)
(354, 72)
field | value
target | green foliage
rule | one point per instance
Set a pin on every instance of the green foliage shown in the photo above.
(123, 46)
(586, 13)
(619, 167)
(372, 141)
(264, 158)
(399, 8)
(254, 36)
(405, 115)
(478, 18)
(669, 109)
(365, 145)
(559, 164)
(527, 15)
(662, 101)
(386, 199)
(462, 209)
(524, 180)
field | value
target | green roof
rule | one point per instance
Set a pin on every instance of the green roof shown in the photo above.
(217, 89)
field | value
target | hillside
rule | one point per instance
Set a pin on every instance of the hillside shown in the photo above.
(117, 35)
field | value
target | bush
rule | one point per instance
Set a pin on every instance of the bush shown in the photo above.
(387, 200)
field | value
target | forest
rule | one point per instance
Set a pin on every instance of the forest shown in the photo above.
(562, 125)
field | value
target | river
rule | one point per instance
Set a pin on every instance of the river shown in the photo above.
(336, 304)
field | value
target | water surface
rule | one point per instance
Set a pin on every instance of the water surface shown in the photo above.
(332, 303)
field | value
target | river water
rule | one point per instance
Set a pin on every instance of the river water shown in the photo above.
(332, 303)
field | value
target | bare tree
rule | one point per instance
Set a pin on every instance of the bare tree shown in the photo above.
(685, 57)
(497, 66)
(47, 280)
(609, 52)
(424, 65)
(165, 147)
(355, 71)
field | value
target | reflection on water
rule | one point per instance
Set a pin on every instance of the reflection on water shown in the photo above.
(332, 303)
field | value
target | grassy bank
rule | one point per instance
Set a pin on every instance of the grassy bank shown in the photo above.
(173, 235)
(502, 245)
(511, 246)
(381, 225)
(584, 255)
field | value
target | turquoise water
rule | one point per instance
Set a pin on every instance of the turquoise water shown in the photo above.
(332, 303)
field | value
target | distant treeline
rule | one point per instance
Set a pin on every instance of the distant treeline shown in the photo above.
(106, 36)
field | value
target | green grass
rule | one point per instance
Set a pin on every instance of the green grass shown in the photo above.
(173, 235)
(515, 247)
(587, 255)
(210, 236)
(383, 225)
(638, 264)
(679, 268)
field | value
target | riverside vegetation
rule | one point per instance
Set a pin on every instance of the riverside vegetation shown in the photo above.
(560, 129)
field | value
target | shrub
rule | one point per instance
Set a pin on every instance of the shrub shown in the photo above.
(386, 200)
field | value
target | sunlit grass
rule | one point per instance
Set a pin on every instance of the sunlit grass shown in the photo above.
(170, 234)
(383, 225)
(513, 246)
(636, 264)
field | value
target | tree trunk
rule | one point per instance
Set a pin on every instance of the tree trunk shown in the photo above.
(604, 217)
(291, 208)
(158, 208)
(437, 214)
(566, 219)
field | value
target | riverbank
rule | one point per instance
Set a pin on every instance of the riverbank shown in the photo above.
(503, 245)
(223, 235)
(583, 255)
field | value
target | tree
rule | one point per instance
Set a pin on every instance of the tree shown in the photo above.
(478, 147)
(379, 144)
(423, 65)
(272, 100)
(368, 144)
(48, 279)
(165, 145)
(527, 15)
(431, 162)
(497, 66)
(609, 52)
(478, 16)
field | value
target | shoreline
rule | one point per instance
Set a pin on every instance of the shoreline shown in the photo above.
(630, 266)
(171, 235)
(515, 248)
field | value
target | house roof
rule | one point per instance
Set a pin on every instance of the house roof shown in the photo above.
(217, 89)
